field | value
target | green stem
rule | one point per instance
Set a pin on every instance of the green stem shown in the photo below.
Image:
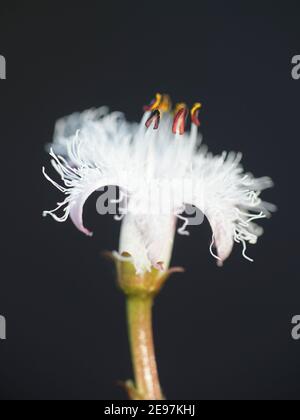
(139, 313)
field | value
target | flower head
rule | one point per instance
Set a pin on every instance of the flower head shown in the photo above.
(160, 167)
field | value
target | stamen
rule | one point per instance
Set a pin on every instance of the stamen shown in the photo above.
(179, 107)
(155, 104)
(154, 117)
(166, 104)
(195, 114)
(181, 113)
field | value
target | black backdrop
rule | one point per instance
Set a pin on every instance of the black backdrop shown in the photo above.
(220, 333)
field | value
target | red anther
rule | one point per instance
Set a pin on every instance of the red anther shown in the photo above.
(195, 114)
(179, 121)
(195, 119)
(154, 117)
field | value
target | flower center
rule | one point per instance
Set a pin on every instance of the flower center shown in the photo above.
(162, 104)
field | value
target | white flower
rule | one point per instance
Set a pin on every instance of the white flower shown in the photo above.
(160, 168)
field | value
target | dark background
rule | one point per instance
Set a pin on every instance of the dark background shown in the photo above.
(220, 333)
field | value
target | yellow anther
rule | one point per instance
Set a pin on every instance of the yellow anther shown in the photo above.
(196, 108)
(166, 104)
(179, 107)
(156, 104)
(195, 114)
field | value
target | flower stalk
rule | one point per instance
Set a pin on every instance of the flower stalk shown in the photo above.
(139, 315)
(140, 291)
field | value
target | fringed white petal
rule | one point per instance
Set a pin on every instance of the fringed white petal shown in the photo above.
(230, 200)
(79, 183)
(222, 239)
(93, 137)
